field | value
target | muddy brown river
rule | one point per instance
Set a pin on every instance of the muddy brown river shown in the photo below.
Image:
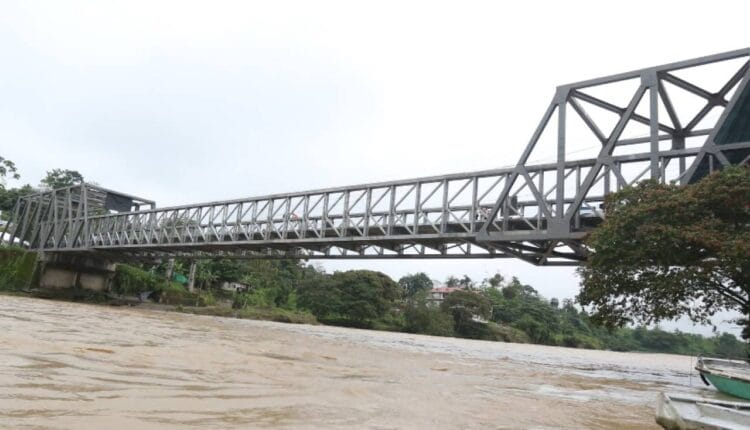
(77, 366)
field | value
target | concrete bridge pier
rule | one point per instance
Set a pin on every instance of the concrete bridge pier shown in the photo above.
(56, 270)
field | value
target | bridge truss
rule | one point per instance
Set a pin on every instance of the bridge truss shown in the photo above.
(656, 123)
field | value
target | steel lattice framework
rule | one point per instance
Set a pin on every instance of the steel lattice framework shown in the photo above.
(536, 212)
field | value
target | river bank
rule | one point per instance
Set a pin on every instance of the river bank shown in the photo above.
(496, 309)
(70, 365)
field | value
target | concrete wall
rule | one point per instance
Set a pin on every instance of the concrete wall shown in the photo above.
(53, 277)
(74, 271)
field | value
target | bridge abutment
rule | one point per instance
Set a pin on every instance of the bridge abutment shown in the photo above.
(73, 271)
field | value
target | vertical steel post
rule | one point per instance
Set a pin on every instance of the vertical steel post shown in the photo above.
(561, 101)
(650, 80)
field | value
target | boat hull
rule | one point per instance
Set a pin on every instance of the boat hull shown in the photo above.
(730, 386)
(680, 412)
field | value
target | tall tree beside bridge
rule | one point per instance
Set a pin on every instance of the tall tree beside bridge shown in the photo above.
(7, 169)
(8, 196)
(415, 283)
(665, 251)
(61, 178)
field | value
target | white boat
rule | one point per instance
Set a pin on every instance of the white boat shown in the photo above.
(682, 412)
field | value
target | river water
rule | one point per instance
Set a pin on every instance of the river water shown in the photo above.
(78, 366)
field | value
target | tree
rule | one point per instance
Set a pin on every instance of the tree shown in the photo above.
(318, 295)
(513, 289)
(61, 178)
(466, 283)
(357, 296)
(665, 251)
(465, 306)
(204, 274)
(422, 318)
(365, 295)
(495, 281)
(8, 197)
(726, 345)
(7, 168)
(413, 284)
(452, 282)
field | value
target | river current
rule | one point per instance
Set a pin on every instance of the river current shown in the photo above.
(77, 366)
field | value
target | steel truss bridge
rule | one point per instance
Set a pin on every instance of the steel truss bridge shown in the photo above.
(656, 123)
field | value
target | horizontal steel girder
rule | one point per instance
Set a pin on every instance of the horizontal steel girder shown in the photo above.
(539, 213)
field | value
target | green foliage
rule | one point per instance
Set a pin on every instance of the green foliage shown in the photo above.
(504, 333)
(258, 297)
(272, 282)
(7, 168)
(465, 307)
(357, 296)
(726, 345)
(520, 314)
(665, 251)
(317, 295)
(464, 282)
(413, 284)
(9, 197)
(423, 318)
(173, 293)
(61, 178)
(495, 281)
(205, 276)
(206, 298)
(16, 268)
(131, 280)
(365, 295)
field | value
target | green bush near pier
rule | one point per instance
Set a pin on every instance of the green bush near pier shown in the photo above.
(16, 268)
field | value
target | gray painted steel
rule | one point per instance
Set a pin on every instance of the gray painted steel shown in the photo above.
(536, 212)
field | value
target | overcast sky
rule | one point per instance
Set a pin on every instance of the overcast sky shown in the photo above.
(185, 102)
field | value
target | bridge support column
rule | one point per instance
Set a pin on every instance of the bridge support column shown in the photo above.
(170, 269)
(73, 271)
(191, 277)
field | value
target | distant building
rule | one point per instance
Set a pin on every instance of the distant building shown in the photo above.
(235, 287)
(438, 294)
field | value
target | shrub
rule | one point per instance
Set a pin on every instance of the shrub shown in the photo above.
(421, 318)
(206, 298)
(131, 280)
(16, 268)
(173, 293)
(259, 297)
(505, 333)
